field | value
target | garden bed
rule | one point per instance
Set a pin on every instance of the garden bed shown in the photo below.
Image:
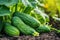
(43, 36)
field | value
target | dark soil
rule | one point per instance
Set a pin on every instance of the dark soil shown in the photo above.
(43, 36)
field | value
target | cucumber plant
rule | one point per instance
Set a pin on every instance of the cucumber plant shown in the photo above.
(9, 8)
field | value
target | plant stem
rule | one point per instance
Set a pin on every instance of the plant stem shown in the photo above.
(16, 8)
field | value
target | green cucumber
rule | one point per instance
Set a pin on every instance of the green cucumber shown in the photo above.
(11, 30)
(43, 29)
(27, 19)
(28, 9)
(25, 29)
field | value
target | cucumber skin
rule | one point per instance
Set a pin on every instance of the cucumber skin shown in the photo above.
(43, 29)
(25, 29)
(11, 30)
(27, 19)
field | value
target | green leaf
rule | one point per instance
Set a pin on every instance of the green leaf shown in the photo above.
(33, 2)
(2, 2)
(27, 5)
(8, 2)
(4, 11)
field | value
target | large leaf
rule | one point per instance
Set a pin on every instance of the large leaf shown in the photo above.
(4, 11)
(33, 2)
(8, 2)
(27, 5)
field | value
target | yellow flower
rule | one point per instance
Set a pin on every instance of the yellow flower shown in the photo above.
(46, 6)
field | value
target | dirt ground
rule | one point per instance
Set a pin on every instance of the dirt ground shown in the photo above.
(43, 36)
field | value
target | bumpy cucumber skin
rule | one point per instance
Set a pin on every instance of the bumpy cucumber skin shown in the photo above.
(43, 29)
(27, 19)
(25, 29)
(11, 30)
(28, 9)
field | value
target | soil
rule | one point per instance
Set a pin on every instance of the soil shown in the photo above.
(44, 36)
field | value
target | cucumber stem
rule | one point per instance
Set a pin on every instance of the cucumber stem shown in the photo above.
(56, 30)
(35, 34)
(53, 29)
(16, 8)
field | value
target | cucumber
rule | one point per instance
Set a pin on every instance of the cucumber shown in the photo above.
(43, 29)
(11, 30)
(28, 9)
(27, 19)
(25, 29)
